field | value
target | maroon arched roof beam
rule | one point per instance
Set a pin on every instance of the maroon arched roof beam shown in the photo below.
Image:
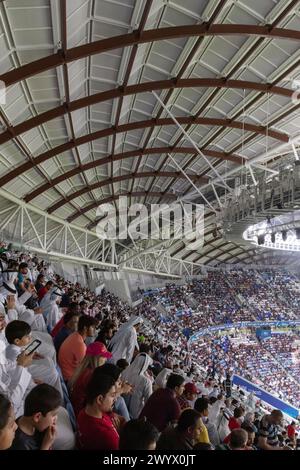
(282, 137)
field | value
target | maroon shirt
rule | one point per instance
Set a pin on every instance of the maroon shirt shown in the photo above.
(162, 408)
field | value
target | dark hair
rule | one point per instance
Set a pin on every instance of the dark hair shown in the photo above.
(22, 266)
(203, 446)
(201, 404)
(122, 364)
(174, 380)
(86, 321)
(238, 438)
(40, 276)
(108, 369)
(42, 399)
(5, 406)
(145, 348)
(248, 427)
(188, 418)
(69, 315)
(99, 384)
(83, 302)
(72, 306)
(238, 412)
(138, 434)
(16, 329)
(49, 283)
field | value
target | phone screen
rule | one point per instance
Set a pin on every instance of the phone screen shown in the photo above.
(32, 346)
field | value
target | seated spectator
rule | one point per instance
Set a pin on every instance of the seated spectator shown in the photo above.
(74, 308)
(70, 320)
(291, 430)
(202, 407)
(40, 282)
(138, 435)
(21, 278)
(235, 420)
(122, 364)
(163, 408)
(136, 376)
(42, 369)
(107, 330)
(238, 441)
(268, 431)
(96, 430)
(8, 425)
(95, 356)
(187, 399)
(250, 429)
(124, 342)
(45, 289)
(37, 427)
(73, 349)
(120, 413)
(185, 435)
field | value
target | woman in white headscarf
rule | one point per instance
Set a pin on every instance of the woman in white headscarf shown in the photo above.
(49, 304)
(124, 342)
(136, 376)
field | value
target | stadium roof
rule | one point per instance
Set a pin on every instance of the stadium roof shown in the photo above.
(81, 124)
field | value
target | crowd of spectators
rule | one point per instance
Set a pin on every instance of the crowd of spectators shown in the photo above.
(86, 371)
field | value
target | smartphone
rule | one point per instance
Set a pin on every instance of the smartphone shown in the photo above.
(32, 347)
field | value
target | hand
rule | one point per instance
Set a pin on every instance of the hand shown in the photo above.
(24, 360)
(38, 310)
(126, 388)
(49, 438)
(37, 356)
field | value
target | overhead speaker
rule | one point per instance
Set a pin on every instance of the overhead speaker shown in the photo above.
(297, 231)
(273, 237)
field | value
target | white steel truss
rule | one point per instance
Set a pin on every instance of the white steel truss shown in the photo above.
(32, 229)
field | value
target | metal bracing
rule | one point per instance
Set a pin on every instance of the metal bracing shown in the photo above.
(27, 226)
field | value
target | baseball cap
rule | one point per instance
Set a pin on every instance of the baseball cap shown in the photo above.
(190, 387)
(98, 349)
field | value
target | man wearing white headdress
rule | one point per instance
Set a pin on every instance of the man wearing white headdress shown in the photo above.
(51, 311)
(136, 375)
(14, 381)
(124, 342)
(19, 311)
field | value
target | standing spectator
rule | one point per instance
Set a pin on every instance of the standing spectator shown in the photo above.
(291, 431)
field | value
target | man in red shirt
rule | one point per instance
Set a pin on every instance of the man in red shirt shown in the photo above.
(291, 429)
(162, 408)
(44, 290)
(96, 430)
